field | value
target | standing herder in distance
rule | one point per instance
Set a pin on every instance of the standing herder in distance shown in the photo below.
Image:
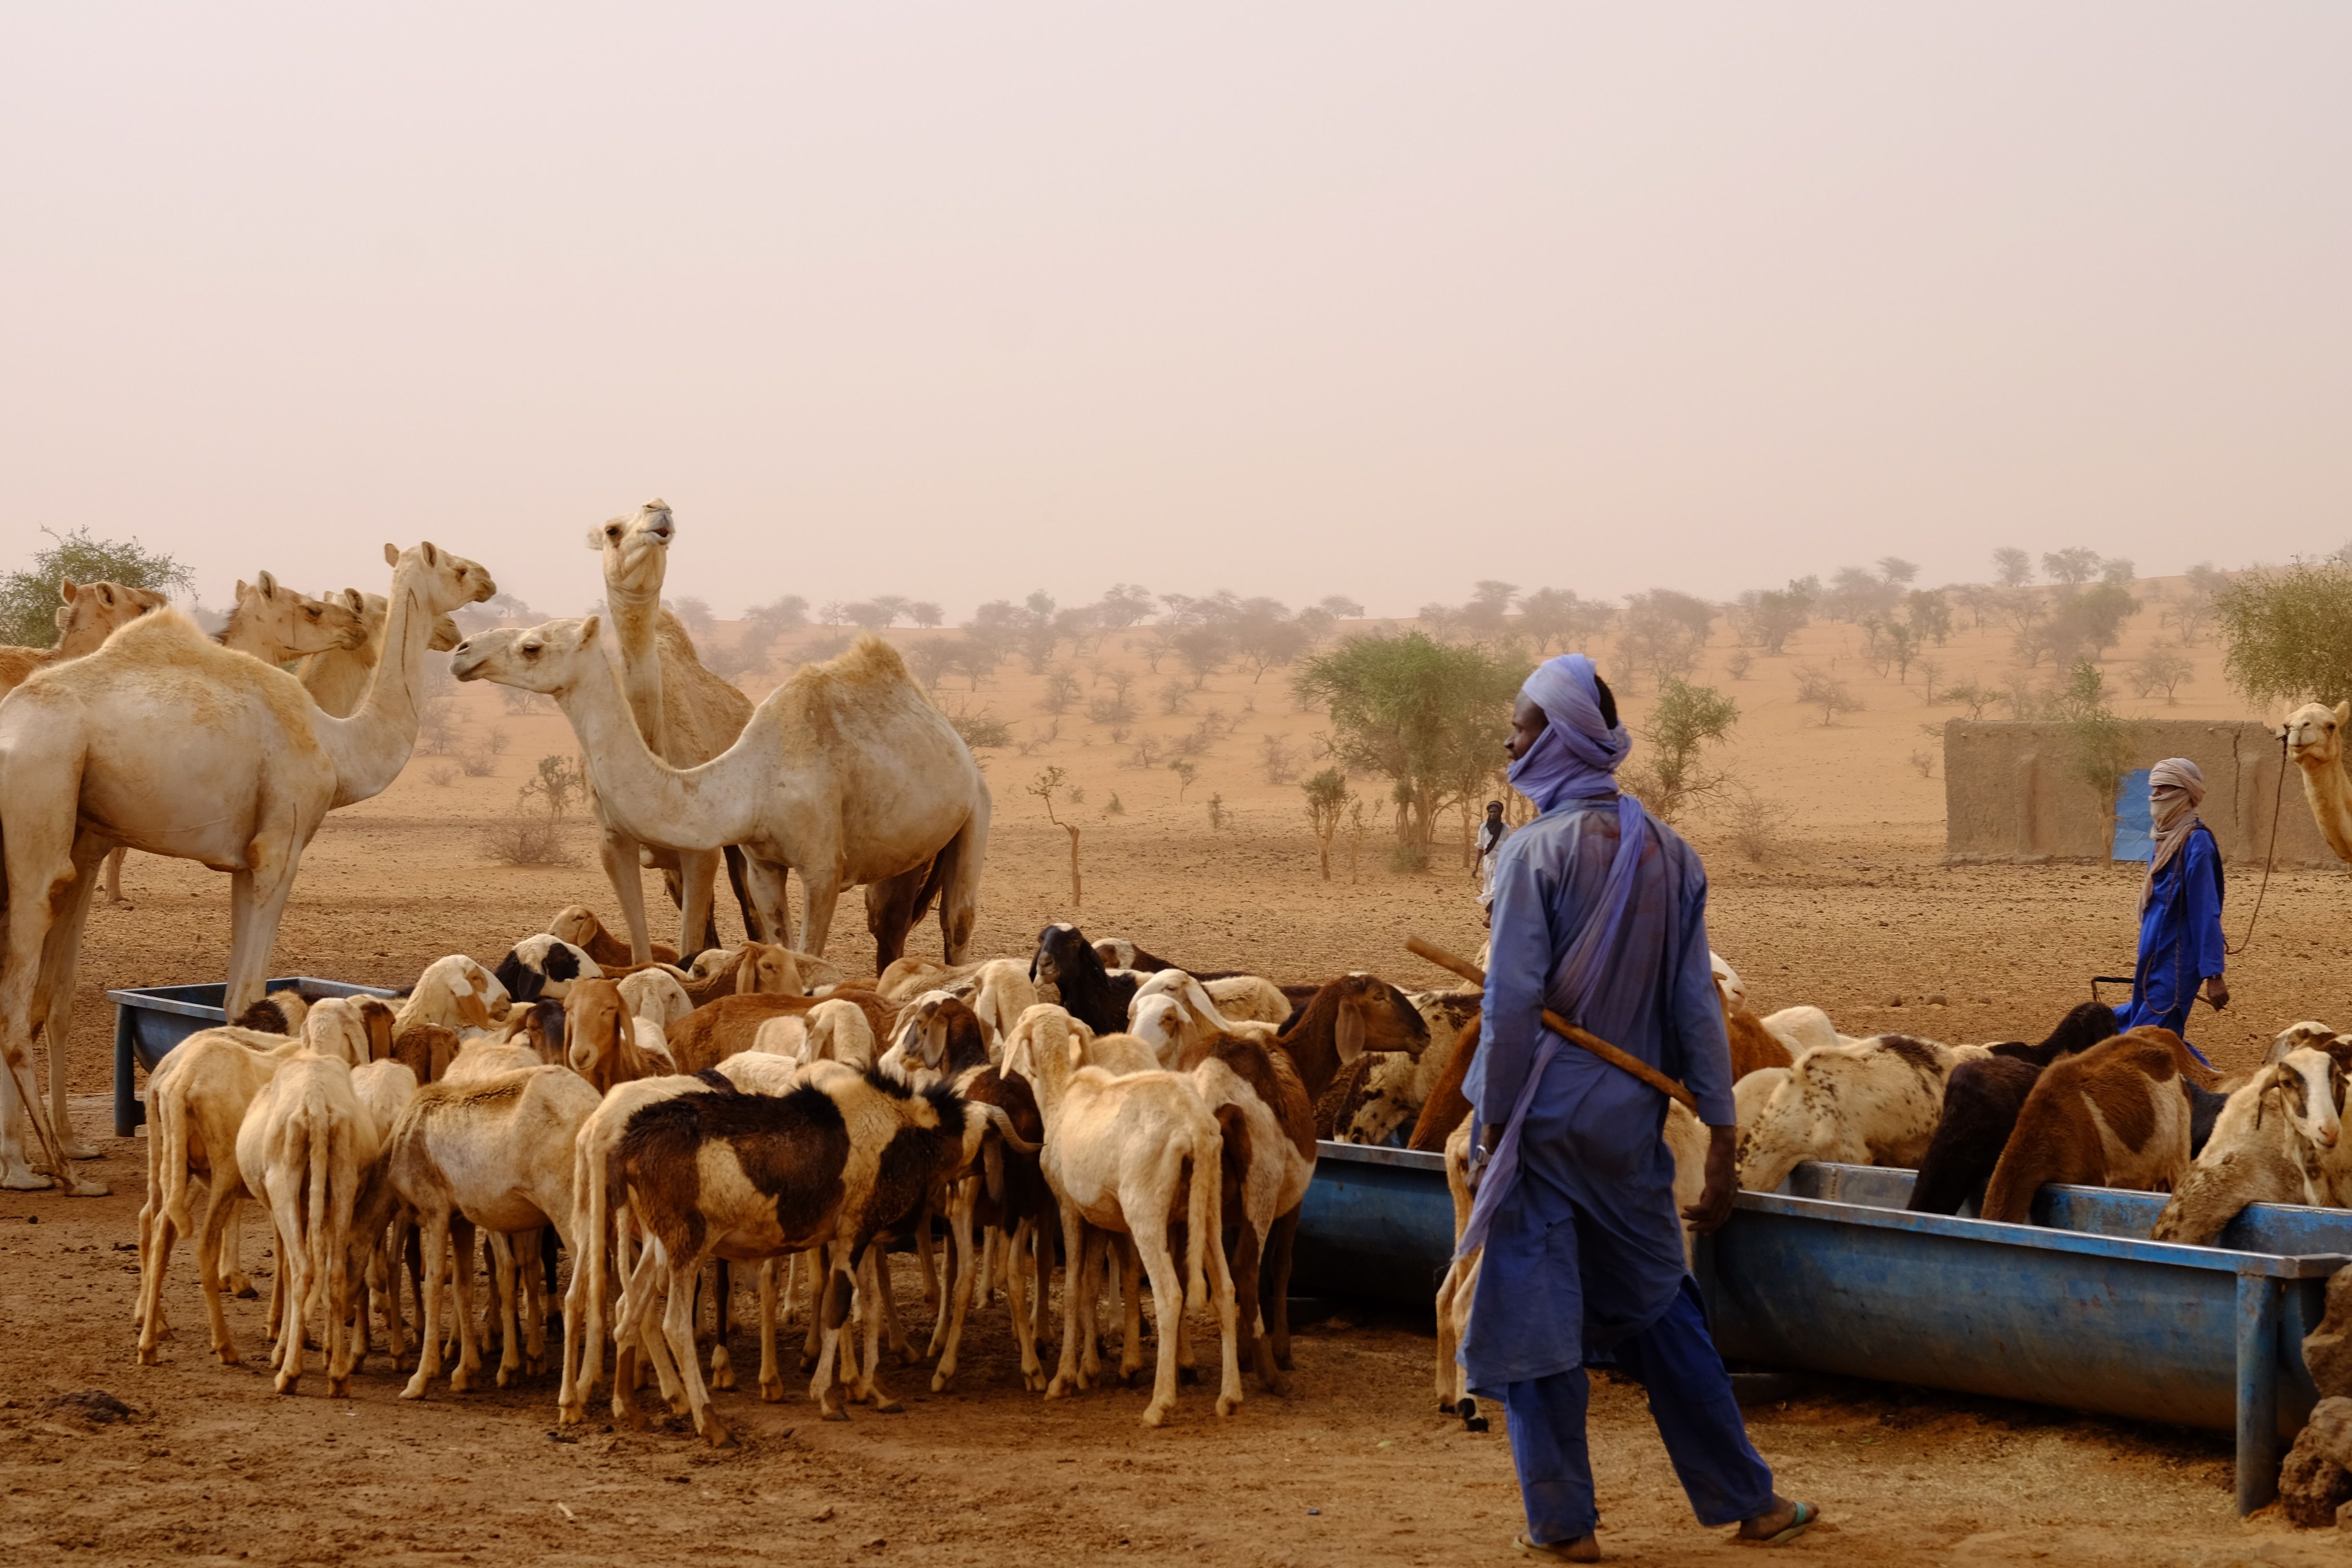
(1491, 834)
(2180, 943)
(1600, 914)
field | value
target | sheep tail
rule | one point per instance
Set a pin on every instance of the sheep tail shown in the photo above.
(1202, 1228)
(317, 1129)
(170, 1114)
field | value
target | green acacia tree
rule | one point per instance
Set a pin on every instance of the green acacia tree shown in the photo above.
(1428, 716)
(1328, 795)
(2289, 632)
(29, 600)
(1684, 721)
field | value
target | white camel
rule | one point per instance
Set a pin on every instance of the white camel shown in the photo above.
(688, 715)
(162, 741)
(337, 679)
(846, 773)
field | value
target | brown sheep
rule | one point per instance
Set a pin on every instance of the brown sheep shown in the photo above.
(2114, 1116)
(718, 1028)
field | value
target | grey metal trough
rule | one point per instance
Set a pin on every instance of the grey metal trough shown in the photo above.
(1830, 1274)
(150, 1020)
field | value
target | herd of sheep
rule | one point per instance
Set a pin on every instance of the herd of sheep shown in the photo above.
(659, 1126)
(1088, 1104)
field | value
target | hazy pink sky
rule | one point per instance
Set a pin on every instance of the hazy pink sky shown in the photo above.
(959, 301)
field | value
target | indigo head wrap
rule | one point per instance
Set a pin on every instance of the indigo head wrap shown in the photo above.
(1577, 755)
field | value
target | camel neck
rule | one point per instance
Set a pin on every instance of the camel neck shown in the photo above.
(372, 746)
(633, 618)
(639, 792)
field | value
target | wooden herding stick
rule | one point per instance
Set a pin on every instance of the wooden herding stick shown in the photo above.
(1562, 1027)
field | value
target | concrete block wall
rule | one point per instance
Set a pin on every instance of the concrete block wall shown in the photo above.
(2010, 792)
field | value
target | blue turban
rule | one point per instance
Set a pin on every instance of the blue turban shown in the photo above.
(1577, 755)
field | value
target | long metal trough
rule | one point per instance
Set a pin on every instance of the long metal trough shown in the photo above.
(148, 1021)
(1830, 1274)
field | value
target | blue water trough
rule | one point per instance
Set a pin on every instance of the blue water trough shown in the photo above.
(148, 1021)
(1830, 1274)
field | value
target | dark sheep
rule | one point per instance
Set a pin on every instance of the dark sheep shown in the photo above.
(1089, 993)
(1981, 1101)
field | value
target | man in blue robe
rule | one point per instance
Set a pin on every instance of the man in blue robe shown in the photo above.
(1599, 913)
(2180, 945)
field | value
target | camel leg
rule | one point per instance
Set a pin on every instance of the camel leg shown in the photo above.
(618, 852)
(61, 969)
(772, 896)
(960, 888)
(114, 898)
(697, 926)
(890, 910)
(820, 890)
(39, 781)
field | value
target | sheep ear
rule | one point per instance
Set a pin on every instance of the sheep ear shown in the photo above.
(1349, 1033)
(392, 554)
(935, 1041)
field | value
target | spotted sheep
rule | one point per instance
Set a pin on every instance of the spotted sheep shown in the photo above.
(2112, 1116)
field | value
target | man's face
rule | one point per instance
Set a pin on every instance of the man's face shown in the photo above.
(1494, 814)
(1527, 724)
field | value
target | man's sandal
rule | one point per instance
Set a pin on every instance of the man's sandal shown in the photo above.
(1560, 1550)
(1806, 1516)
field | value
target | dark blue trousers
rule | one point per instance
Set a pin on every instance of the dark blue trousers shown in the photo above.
(1690, 1399)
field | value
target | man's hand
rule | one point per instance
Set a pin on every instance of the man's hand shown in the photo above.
(1480, 1149)
(2216, 991)
(1714, 1205)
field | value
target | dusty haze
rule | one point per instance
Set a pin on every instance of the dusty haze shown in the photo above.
(959, 301)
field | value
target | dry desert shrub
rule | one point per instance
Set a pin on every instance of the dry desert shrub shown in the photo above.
(1757, 826)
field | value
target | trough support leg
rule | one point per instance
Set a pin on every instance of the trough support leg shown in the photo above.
(2260, 1307)
(127, 1112)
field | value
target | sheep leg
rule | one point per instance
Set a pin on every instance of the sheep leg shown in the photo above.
(470, 1347)
(294, 1275)
(627, 1347)
(584, 1341)
(825, 1388)
(1074, 1248)
(435, 1236)
(503, 1285)
(722, 1293)
(1017, 1299)
(536, 1293)
(888, 1295)
(677, 1324)
(276, 1327)
(934, 1301)
(967, 1267)
(1170, 1330)
(992, 1261)
(1222, 1295)
(1249, 1252)
(208, 1241)
(153, 1265)
(875, 1276)
(341, 1341)
(818, 1277)
(771, 1382)
(1150, 1240)
(1275, 1288)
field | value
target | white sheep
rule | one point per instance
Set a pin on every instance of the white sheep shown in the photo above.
(1874, 1102)
(2254, 1153)
(1117, 1155)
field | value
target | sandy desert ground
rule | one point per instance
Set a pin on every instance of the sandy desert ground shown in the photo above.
(1857, 914)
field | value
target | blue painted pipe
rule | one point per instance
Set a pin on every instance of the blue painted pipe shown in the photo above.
(2077, 1309)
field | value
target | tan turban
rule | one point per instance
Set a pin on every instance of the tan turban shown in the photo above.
(2176, 787)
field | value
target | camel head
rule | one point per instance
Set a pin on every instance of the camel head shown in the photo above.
(636, 550)
(449, 581)
(93, 611)
(2315, 733)
(549, 658)
(294, 621)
